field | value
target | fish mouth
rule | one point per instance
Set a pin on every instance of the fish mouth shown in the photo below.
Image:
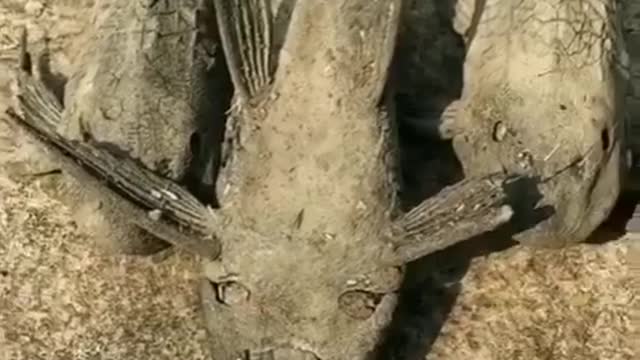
(279, 354)
(230, 343)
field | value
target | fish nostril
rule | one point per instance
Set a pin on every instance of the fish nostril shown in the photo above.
(194, 143)
(278, 354)
(359, 304)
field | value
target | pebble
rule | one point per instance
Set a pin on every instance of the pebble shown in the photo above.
(34, 8)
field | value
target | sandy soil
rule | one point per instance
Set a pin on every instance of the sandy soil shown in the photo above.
(62, 299)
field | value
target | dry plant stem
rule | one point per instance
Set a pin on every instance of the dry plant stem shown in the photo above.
(459, 212)
(138, 189)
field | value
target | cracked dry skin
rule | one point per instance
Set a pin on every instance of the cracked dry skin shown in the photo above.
(543, 96)
(142, 87)
(141, 61)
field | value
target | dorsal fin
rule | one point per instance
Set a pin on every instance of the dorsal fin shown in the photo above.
(246, 34)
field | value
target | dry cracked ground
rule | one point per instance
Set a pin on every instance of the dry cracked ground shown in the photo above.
(60, 299)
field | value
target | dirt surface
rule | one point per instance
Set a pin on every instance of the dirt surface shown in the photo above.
(520, 304)
(62, 299)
